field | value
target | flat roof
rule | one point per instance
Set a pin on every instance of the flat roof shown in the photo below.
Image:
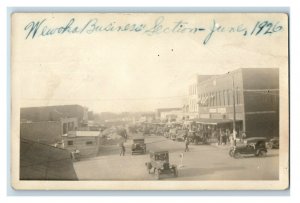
(84, 133)
(138, 137)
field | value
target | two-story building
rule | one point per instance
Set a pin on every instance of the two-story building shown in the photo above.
(250, 96)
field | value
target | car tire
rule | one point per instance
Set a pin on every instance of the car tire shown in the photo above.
(237, 155)
(270, 146)
(231, 152)
(262, 153)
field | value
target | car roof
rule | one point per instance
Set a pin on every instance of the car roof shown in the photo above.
(158, 151)
(255, 139)
(138, 137)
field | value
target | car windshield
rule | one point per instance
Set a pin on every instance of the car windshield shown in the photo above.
(138, 140)
(161, 157)
(260, 144)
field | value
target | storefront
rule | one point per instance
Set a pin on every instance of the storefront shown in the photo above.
(249, 96)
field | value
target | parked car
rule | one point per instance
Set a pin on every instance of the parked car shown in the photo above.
(196, 137)
(181, 135)
(273, 143)
(159, 131)
(138, 145)
(159, 164)
(172, 134)
(252, 146)
(146, 131)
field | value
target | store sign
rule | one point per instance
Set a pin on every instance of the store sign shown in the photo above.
(204, 116)
(212, 110)
(221, 110)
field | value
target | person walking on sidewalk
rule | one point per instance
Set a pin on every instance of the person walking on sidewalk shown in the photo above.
(122, 149)
(187, 142)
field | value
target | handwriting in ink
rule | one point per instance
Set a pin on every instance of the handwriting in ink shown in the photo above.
(266, 27)
(40, 28)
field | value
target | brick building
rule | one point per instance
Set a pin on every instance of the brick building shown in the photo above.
(254, 92)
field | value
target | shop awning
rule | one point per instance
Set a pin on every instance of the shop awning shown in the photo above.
(210, 121)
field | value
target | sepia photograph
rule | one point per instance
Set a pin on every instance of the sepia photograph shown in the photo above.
(150, 101)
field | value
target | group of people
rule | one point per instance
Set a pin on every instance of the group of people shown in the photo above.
(224, 136)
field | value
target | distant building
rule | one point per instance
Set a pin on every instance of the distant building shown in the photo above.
(87, 142)
(191, 107)
(90, 115)
(147, 117)
(255, 94)
(47, 124)
(55, 113)
(43, 162)
(169, 114)
(47, 132)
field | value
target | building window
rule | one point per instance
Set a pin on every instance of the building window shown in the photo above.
(225, 98)
(215, 98)
(89, 143)
(65, 128)
(237, 96)
(228, 97)
(212, 99)
(208, 99)
(221, 98)
(70, 142)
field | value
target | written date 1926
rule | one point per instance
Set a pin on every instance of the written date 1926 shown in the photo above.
(261, 28)
(266, 27)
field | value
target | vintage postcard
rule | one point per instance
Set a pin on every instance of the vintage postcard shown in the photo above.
(150, 101)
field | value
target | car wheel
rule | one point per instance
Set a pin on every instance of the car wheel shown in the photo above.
(262, 153)
(237, 155)
(231, 152)
(271, 146)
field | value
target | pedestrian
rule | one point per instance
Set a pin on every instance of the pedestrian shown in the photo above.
(122, 149)
(187, 142)
(185, 134)
(243, 136)
(225, 138)
(220, 136)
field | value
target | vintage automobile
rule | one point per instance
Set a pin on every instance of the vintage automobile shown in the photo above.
(273, 143)
(159, 164)
(173, 133)
(252, 146)
(196, 137)
(181, 135)
(193, 138)
(138, 145)
(160, 130)
(133, 129)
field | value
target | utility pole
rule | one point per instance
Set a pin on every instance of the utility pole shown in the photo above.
(233, 124)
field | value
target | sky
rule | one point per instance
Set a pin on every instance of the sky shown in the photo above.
(120, 72)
